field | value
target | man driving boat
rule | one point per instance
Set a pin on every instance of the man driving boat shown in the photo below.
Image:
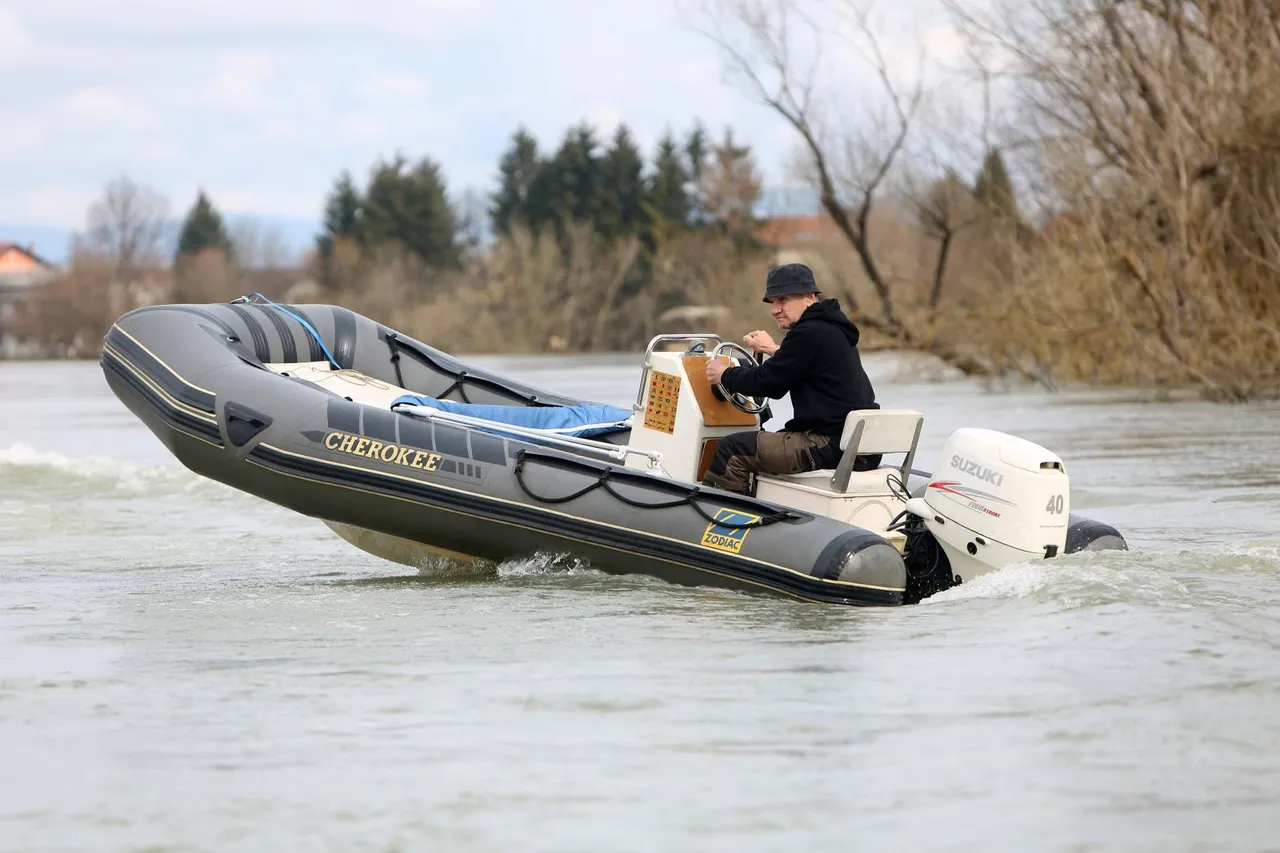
(817, 363)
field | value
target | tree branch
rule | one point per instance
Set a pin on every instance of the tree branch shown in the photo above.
(772, 41)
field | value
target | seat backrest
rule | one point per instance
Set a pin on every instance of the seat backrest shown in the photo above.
(883, 430)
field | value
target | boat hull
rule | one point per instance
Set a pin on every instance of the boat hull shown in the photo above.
(197, 376)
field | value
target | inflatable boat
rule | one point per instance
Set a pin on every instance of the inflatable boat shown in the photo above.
(407, 453)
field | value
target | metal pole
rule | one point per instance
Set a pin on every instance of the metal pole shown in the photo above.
(648, 351)
(619, 453)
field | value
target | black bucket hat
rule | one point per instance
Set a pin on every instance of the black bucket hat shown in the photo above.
(789, 280)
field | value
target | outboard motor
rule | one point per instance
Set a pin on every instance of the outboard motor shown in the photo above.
(994, 500)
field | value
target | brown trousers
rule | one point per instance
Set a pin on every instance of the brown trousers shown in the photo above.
(742, 454)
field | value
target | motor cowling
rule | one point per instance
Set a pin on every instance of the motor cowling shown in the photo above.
(995, 499)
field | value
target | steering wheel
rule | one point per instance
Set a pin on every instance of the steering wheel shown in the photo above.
(750, 405)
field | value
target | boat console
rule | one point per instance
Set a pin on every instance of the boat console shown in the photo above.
(680, 414)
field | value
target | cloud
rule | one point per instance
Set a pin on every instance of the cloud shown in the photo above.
(13, 38)
(241, 80)
(239, 22)
(54, 205)
(944, 43)
(265, 103)
(97, 106)
(23, 139)
(393, 87)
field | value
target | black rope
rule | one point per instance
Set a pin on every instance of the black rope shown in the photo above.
(462, 376)
(899, 490)
(690, 498)
(457, 383)
(394, 344)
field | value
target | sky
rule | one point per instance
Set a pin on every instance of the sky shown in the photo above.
(263, 102)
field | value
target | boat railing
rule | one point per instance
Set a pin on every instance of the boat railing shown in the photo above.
(618, 452)
(648, 365)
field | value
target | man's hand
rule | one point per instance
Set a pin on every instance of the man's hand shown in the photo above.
(715, 368)
(760, 341)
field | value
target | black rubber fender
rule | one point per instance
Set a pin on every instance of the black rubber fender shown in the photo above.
(1085, 534)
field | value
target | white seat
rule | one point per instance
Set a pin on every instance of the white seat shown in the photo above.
(860, 482)
(883, 430)
(815, 474)
(868, 432)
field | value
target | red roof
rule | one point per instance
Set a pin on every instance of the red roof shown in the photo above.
(29, 251)
(789, 231)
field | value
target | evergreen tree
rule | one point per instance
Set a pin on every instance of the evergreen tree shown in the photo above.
(580, 176)
(341, 214)
(994, 189)
(577, 177)
(518, 171)
(622, 190)
(202, 229)
(668, 185)
(544, 200)
(410, 208)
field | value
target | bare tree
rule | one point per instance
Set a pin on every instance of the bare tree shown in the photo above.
(758, 39)
(257, 245)
(473, 219)
(1157, 126)
(775, 49)
(944, 205)
(129, 225)
(944, 208)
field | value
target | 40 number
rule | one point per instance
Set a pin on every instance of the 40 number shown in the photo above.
(1054, 505)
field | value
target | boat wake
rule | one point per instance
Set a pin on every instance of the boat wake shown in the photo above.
(23, 466)
(1173, 579)
(540, 565)
(1179, 579)
(547, 564)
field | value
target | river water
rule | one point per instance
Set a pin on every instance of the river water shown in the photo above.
(186, 667)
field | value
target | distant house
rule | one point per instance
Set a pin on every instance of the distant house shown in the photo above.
(20, 270)
(900, 248)
(793, 238)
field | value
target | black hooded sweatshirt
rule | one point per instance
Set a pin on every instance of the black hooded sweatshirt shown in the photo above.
(818, 363)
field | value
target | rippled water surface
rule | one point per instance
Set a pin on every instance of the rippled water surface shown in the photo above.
(186, 667)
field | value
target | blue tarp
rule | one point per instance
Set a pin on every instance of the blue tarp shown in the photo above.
(583, 420)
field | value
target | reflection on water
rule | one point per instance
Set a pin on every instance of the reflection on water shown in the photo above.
(183, 666)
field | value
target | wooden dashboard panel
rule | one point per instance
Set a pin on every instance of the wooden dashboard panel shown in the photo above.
(715, 412)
